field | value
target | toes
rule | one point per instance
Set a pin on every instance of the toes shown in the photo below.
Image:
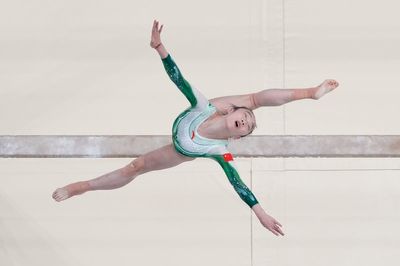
(332, 83)
(335, 83)
(58, 198)
(60, 195)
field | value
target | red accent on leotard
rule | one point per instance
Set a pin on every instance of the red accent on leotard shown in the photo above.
(228, 157)
(192, 134)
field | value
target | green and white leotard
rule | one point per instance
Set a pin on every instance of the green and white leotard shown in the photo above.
(188, 142)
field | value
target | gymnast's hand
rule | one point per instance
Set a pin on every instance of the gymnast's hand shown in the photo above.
(155, 35)
(266, 220)
(271, 224)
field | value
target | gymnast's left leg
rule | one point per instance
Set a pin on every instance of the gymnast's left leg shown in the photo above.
(275, 97)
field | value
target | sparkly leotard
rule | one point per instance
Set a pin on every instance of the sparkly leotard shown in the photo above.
(188, 142)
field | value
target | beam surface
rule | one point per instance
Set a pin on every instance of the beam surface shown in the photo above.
(119, 146)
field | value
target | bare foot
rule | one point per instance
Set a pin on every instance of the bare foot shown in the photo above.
(70, 190)
(325, 87)
(60, 194)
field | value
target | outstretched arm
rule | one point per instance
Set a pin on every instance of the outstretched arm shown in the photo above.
(156, 40)
(176, 76)
(226, 162)
(194, 96)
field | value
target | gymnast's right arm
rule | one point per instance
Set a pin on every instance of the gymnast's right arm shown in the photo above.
(156, 40)
(193, 96)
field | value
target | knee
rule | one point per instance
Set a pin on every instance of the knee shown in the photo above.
(136, 166)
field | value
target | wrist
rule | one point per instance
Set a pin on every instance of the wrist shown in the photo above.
(257, 209)
(161, 51)
(157, 46)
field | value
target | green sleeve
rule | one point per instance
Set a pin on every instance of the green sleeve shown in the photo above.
(176, 76)
(244, 192)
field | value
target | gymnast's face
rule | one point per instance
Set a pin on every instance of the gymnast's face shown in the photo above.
(241, 122)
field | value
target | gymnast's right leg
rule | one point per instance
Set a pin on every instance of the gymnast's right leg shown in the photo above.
(162, 158)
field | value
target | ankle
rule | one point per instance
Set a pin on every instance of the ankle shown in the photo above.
(313, 91)
(78, 188)
(299, 94)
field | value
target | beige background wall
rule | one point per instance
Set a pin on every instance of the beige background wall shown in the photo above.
(85, 67)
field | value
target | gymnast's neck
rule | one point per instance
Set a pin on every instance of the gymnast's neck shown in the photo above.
(215, 127)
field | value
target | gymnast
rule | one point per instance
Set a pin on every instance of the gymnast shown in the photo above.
(202, 130)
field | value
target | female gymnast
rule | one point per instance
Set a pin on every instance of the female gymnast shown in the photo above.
(202, 130)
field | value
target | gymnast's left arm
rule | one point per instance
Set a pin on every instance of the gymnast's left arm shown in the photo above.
(226, 162)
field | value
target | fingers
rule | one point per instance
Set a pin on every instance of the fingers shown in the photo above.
(275, 229)
(155, 26)
(274, 232)
(159, 31)
(279, 230)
